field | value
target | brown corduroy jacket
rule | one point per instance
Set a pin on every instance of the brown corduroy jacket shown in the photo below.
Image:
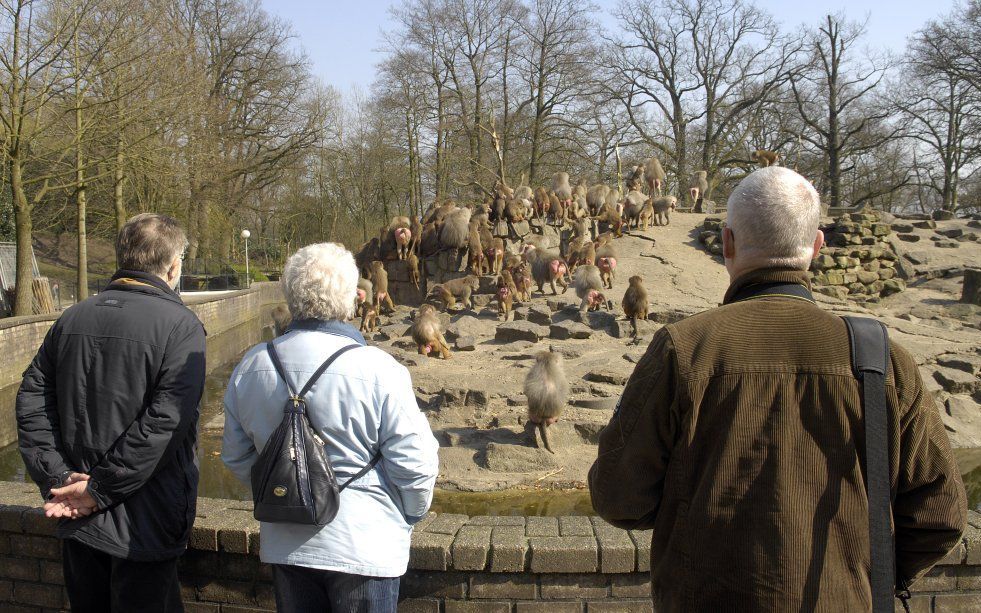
(740, 440)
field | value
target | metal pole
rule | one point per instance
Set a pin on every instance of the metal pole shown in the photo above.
(248, 277)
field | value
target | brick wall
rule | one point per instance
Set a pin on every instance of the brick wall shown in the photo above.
(234, 321)
(457, 564)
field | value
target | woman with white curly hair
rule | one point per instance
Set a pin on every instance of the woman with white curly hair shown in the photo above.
(363, 407)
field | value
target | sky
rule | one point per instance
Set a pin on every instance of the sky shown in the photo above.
(343, 38)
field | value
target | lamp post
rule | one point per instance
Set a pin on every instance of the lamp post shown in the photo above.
(248, 278)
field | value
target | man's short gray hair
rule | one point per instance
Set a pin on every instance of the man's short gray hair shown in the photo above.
(150, 242)
(774, 215)
(320, 282)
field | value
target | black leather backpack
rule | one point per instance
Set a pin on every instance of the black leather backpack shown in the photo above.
(293, 480)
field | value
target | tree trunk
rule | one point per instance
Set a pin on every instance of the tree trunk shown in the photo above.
(82, 273)
(23, 225)
(119, 204)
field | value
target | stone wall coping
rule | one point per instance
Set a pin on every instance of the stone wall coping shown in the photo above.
(446, 541)
(23, 320)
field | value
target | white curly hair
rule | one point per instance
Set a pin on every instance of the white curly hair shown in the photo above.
(774, 215)
(320, 282)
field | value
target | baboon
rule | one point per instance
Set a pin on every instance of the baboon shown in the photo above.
(764, 157)
(476, 259)
(437, 214)
(281, 319)
(607, 265)
(561, 187)
(362, 296)
(613, 200)
(548, 267)
(654, 175)
(398, 234)
(412, 264)
(501, 190)
(367, 253)
(455, 229)
(505, 294)
(662, 209)
(495, 256)
(547, 391)
(497, 209)
(635, 301)
(646, 217)
(514, 210)
(522, 282)
(584, 253)
(379, 282)
(524, 193)
(541, 203)
(461, 289)
(632, 206)
(636, 180)
(369, 319)
(578, 209)
(580, 229)
(580, 190)
(556, 209)
(603, 239)
(536, 240)
(699, 185)
(589, 287)
(427, 333)
(596, 197)
(429, 240)
(512, 261)
(416, 229)
(613, 220)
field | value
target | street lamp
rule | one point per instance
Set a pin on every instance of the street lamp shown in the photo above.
(248, 278)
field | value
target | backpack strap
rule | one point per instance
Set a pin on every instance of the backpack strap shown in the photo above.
(313, 378)
(869, 343)
(362, 472)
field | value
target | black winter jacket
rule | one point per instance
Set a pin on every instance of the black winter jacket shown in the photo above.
(114, 392)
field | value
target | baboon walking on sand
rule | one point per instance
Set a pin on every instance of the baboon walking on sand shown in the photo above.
(547, 391)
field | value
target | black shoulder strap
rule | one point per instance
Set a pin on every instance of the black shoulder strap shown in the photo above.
(313, 378)
(361, 473)
(870, 358)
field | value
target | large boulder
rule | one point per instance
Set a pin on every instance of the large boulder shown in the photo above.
(566, 330)
(520, 331)
(971, 292)
(535, 313)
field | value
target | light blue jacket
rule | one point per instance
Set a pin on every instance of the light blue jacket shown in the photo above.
(363, 403)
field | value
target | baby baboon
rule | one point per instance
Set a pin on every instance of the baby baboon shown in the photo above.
(605, 238)
(646, 217)
(561, 187)
(379, 282)
(416, 229)
(596, 197)
(699, 185)
(607, 265)
(654, 175)
(609, 216)
(281, 319)
(633, 204)
(662, 209)
(522, 282)
(548, 267)
(495, 256)
(514, 210)
(541, 203)
(476, 259)
(455, 229)
(369, 319)
(427, 333)
(556, 209)
(764, 157)
(589, 287)
(505, 294)
(547, 391)
(362, 297)
(461, 289)
(501, 190)
(635, 181)
(412, 264)
(635, 302)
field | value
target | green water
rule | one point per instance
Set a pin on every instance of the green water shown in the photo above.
(217, 482)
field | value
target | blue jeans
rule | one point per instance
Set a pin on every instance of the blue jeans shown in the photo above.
(311, 590)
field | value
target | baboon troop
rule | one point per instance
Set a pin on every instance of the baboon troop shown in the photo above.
(547, 390)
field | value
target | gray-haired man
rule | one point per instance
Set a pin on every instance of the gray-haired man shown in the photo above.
(107, 425)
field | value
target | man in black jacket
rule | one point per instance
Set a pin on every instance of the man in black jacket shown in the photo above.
(107, 425)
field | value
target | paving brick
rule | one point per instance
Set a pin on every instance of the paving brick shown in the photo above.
(202, 607)
(575, 525)
(497, 520)
(6, 590)
(39, 595)
(471, 548)
(10, 516)
(447, 523)
(231, 592)
(565, 554)
(642, 541)
(955, 556)
(430, 551)
(419, 605)
(517, 585)
(634, 585)
(239, 567)
(939, 579)
(34, 521)
(548, 607)
(574, 586)
(620, 606)
(422, 524)
(509, 549)
(617, 551)
(968, 578)
(52, 572)
(957, 603)
(204, 564)
(917, 604)
(542, 526)
(45, 547)
(20, 568)
(464, 606)
(234, 609)
(415, 584)
(972, 541)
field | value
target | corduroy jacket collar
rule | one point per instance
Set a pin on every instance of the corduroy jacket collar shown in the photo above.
(767, 275)
(332, 326)
(143, 279)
